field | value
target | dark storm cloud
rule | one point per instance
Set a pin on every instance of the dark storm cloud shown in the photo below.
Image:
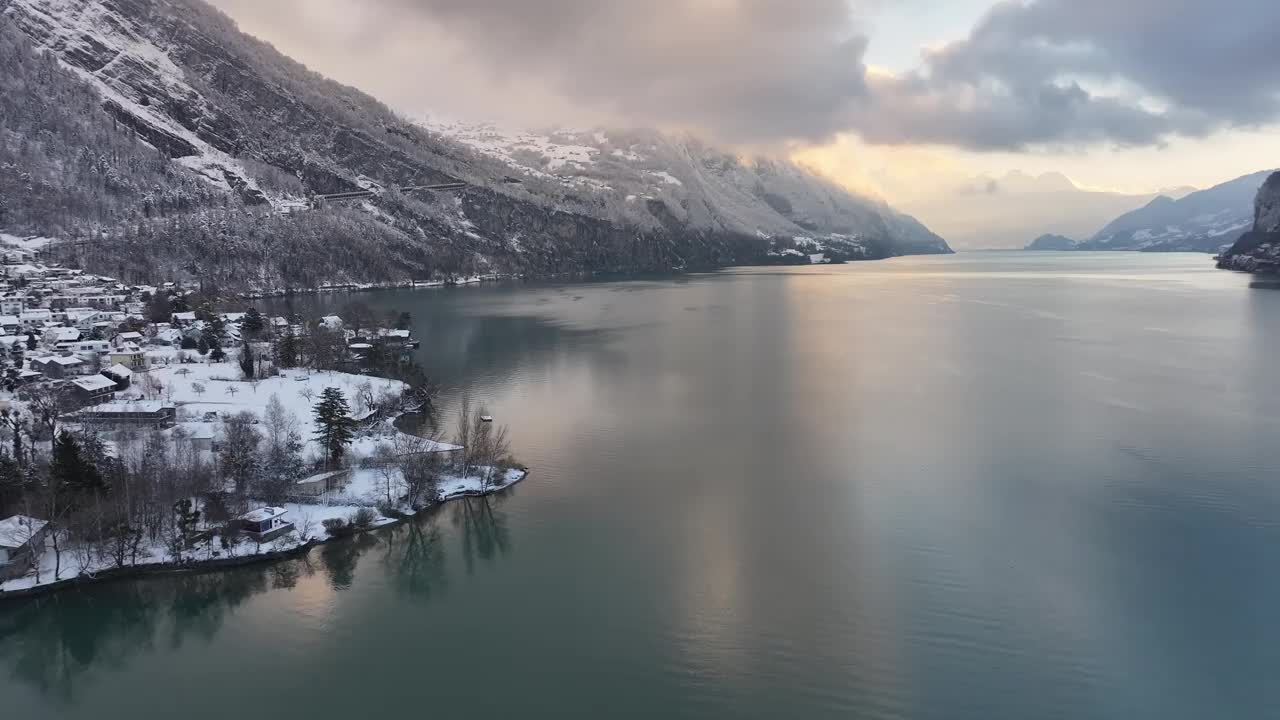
(768, 71)
(1157, 68)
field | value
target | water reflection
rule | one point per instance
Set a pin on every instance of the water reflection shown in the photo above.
(414, 559)
(54, 643)
(485, 534)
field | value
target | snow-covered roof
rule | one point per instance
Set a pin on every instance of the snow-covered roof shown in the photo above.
(149, 406)
(16, 531)
(64, 334)
(322, 477)
(263, 514)
(398, 333)
(92, 383)
(9, 320)
(185, 317)
(60, 360)
(120, 371)
(128, 349)
(126, 336)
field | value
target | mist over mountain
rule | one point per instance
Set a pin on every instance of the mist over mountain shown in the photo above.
(166, 142)
(1004, 211)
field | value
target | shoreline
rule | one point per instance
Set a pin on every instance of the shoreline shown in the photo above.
(213, 565)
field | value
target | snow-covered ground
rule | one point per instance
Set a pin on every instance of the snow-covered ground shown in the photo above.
(200, 388)
(366, 490)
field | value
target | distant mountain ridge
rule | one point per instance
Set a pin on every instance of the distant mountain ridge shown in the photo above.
(219, 141)
(1204, 221)
(1005, 211)
(1052, 242)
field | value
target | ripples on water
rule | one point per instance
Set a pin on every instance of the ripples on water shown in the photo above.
(985, 486)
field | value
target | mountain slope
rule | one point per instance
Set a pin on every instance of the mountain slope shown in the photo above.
(1203, 221)
(263, 134)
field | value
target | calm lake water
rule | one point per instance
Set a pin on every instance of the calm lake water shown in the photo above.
(994, 485)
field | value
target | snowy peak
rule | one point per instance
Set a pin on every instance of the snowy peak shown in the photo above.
(647, 177)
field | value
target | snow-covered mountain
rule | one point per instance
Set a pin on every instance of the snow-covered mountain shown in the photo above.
(1203, 221)
(639, 171)
(262, 135)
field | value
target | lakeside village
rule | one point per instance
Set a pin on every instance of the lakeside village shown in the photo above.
(140, 430)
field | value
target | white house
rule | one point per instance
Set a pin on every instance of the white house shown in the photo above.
(35, 317)
(265, 524)
(21, 544)
(121, 339)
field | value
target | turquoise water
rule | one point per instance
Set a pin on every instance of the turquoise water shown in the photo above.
(994, 485)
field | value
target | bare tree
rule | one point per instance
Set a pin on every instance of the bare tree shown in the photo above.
(239, 454)
(197, 388)
(463, 434)
(150, 386)
(47, 402)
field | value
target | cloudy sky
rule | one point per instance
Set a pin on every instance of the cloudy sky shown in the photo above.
(910, 99)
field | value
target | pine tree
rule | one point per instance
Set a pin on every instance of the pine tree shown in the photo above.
(69, 468)
(334, 424)
(252, 324)
(247, 361)
(286, 351)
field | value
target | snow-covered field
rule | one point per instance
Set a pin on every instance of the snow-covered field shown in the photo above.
(199, 388)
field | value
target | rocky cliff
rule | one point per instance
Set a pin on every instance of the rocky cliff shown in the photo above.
(264, 135)
(1259, 249)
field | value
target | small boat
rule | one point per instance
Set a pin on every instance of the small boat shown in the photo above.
(486, 418)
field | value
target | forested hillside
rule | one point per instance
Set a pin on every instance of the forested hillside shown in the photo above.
(156, 139)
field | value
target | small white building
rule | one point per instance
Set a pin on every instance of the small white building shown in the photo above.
(21, 545)
(265, 524)
(123, 339)
(326, 482)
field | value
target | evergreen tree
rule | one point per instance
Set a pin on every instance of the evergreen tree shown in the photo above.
(286, 350)
(247, 361)
(159, 309)
(31, 342)
(253, 323)
(69, 468)
(334, 424)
